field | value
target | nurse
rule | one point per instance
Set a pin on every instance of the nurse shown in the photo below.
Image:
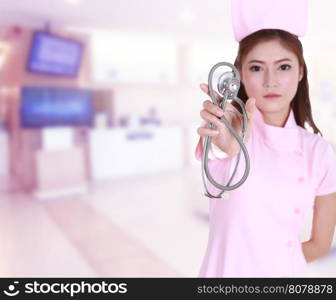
(255, 232)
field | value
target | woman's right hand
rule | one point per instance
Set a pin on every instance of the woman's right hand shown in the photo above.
(221, 135)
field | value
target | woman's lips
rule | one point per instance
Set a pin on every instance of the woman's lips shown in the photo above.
(270, 96)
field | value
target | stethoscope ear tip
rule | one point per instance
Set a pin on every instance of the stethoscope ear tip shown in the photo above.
(225, 195)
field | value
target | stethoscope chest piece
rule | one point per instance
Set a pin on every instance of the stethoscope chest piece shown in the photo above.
(228, 83)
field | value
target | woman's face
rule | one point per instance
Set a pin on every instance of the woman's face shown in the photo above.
(270, 69)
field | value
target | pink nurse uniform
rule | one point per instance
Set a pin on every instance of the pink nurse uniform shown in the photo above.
(255, 232)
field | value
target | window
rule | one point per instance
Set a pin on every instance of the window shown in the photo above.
(133, 58)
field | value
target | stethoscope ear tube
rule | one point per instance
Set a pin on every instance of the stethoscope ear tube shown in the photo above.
(228, 87)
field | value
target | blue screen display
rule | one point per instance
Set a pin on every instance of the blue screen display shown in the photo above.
(54, 55)
(42, 107)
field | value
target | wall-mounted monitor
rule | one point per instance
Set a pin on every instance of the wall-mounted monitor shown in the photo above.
(54, 55)
(43, 107)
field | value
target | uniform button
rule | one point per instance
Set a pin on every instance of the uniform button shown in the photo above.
(297, 211)
(301, 179)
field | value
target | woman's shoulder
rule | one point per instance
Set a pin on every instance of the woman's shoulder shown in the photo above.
(313, 142)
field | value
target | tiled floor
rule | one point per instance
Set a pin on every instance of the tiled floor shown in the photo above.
(153, 226)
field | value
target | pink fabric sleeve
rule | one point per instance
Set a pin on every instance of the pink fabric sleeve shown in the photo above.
(199, 149)
(326, 180)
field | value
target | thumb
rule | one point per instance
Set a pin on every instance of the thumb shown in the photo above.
(250, 107)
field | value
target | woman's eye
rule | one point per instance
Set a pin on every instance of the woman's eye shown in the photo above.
(285, 67)
(255, 68)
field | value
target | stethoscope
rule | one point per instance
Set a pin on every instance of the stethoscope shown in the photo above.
(227, 87)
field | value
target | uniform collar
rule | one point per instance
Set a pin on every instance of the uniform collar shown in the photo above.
(287, 138)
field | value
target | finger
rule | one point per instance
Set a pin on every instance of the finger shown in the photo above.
(212, 108)
(210, 118)
(202, 131)
(230, 108)
(205, 88)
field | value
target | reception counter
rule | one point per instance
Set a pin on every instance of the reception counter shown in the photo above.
(117, 153)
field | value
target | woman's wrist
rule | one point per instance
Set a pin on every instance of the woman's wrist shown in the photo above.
(311, 251)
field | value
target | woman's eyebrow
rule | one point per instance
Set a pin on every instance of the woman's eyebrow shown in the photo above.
(262, 62)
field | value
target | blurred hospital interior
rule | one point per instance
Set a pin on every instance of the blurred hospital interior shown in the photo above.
(99, 107)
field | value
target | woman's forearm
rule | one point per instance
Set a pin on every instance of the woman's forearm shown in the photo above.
(312, 251)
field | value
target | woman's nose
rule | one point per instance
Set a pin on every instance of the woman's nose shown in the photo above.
(270, 79)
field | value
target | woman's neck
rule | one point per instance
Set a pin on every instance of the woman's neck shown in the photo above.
(277, 119)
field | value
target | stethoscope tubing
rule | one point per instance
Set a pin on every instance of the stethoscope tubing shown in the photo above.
(241, 140)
